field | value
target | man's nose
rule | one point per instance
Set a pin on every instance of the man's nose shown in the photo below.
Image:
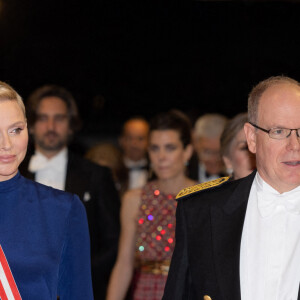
(293, 141)
(50, 124)
(162, 154)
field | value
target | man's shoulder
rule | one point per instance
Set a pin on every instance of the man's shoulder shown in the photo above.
(216, 192)
(195, 190)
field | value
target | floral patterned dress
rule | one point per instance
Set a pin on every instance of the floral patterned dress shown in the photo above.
(155, 243)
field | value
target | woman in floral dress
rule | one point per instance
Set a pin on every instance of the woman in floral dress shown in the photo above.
(148, 215)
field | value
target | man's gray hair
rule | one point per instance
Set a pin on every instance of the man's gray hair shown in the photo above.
(210, 125)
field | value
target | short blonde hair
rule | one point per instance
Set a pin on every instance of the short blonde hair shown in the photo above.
(7, 93)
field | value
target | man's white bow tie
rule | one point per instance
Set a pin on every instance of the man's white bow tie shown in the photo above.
(39, 162)
(268, 202)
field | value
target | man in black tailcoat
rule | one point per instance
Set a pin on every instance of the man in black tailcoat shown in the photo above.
(53, 118)
(241, 239)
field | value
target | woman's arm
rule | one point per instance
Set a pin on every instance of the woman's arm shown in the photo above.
(122, 272)
(74, 277)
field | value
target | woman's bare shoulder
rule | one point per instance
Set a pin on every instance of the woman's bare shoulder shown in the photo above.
(131, 201)
(132, 195)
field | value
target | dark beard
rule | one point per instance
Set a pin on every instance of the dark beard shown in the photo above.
(58, 145)
(54, 147)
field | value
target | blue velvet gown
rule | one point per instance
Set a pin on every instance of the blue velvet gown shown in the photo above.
(44, 236)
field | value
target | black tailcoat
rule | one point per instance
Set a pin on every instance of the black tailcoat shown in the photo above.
(95, 187)
(206, 259)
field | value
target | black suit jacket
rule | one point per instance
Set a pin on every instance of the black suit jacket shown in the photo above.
(94, 184)
(206, 259)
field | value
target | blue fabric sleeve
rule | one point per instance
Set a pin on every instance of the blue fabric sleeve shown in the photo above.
(74, 278)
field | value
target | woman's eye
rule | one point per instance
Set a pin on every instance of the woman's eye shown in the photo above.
(16, 130)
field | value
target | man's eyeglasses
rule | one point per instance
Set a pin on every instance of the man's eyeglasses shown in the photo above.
(278, 133)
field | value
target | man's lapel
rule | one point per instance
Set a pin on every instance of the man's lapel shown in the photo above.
(75, 181)
(72, 178)
(227, 227)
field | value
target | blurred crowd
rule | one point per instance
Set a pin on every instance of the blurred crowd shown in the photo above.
(129, 187)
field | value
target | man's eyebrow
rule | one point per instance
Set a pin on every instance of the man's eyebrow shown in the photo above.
(279, 126)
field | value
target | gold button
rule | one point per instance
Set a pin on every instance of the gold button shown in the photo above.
(206, 298)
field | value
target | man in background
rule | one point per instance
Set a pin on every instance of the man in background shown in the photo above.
(207, 164)
(53, 118)
(134, 143)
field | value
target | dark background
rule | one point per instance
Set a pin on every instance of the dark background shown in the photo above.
(121, 59)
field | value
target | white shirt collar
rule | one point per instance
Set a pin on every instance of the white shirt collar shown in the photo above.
(39, 161)
(131, 163)
(263, 186)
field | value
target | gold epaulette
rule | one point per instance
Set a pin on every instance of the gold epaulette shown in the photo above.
(201, 186)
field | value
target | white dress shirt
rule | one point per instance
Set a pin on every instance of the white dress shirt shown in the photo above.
(137, 174)
(270, 246)
(51, 172)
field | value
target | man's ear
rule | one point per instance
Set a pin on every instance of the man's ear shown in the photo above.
(250, 133)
